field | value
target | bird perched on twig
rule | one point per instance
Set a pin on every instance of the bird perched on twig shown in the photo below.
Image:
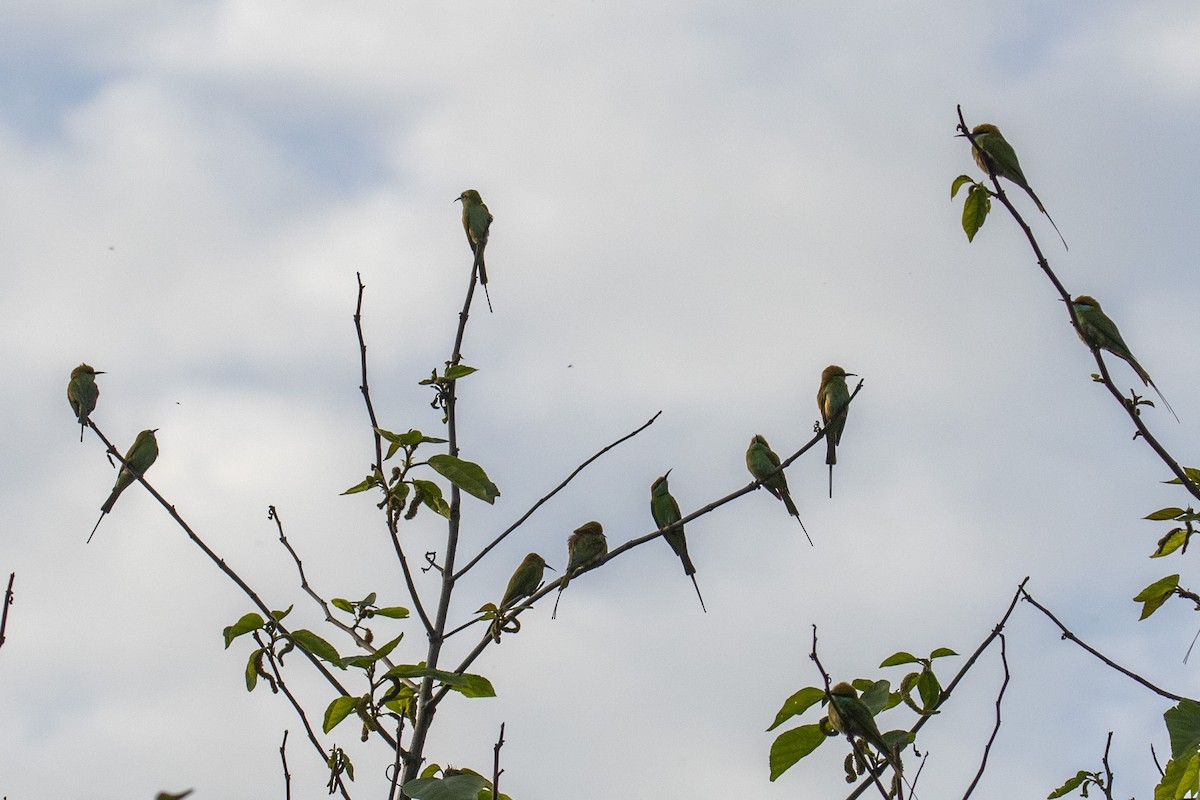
(477, 220)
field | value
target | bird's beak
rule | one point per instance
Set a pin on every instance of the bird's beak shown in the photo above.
(851, 374)
(664, 477)
(100, 372)
(547, 566)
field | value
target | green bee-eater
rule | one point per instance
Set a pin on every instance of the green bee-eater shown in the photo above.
(995, 156)
(762, 461)
(584, 545)
(476, 221)
(832, 397)
(665, 511)
(138, 458)
(82, 394)
(850, 716)
(525, 581)
(1098, 330)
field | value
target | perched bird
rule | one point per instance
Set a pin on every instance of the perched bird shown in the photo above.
(525, 581)
(995, 156)
(850, 716)
(832, 397)
(584, 545)
(82, 393)
(762, 461)
(138, 458)
(1097, 330)
(476, 221)
(665, 511)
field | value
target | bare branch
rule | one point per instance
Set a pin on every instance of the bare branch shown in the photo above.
(553, 492)
(987, 749)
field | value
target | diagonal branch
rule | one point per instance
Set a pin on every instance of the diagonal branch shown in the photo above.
(1066, 634)
(1130, 408)
(553, 492)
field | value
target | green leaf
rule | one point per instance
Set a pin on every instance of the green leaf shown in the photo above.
(366, 483)
(797, 704)
(942, 652)
(1156, 594)
(458, 371)
(875, 695)
(1168, 544)
(337, 711)
(249, 622)
(431, 771)
(1183, 725)
(959, 182)
(311, 643)
(369, 600)
(466, 684)
(456, 787)
(1071, 785)
(431, 496)
(1170, 512)
(791, 746)
(343, 604)
(1179, 779)
(364, 661)
(975, 210)
(252, 669)
(279, 615)
(902, 657)
(394, 612)
(930, 690)
(465, 475)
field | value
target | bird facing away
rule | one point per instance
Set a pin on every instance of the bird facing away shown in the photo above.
(476, 221)
(138, 458)
(850, 716)
(584, 545)
(1097, 330)
(82, 394)
(665, 511)
(762, 461)
(832, 397)
(995, 156)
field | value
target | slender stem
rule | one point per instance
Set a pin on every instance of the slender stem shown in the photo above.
(424, 702)
(8, 601)
(287, 776)
(987, 749)
(365, 388)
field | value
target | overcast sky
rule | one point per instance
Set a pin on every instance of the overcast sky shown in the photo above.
(698, 206)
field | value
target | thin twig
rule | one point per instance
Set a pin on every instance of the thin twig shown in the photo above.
(553, 492)
(287, 776)
(1108, 774)
(393, 533)
(496, 771)
(8, 601)
(987, 749)
(282, 685)
(358, 638)
(1066, 634)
